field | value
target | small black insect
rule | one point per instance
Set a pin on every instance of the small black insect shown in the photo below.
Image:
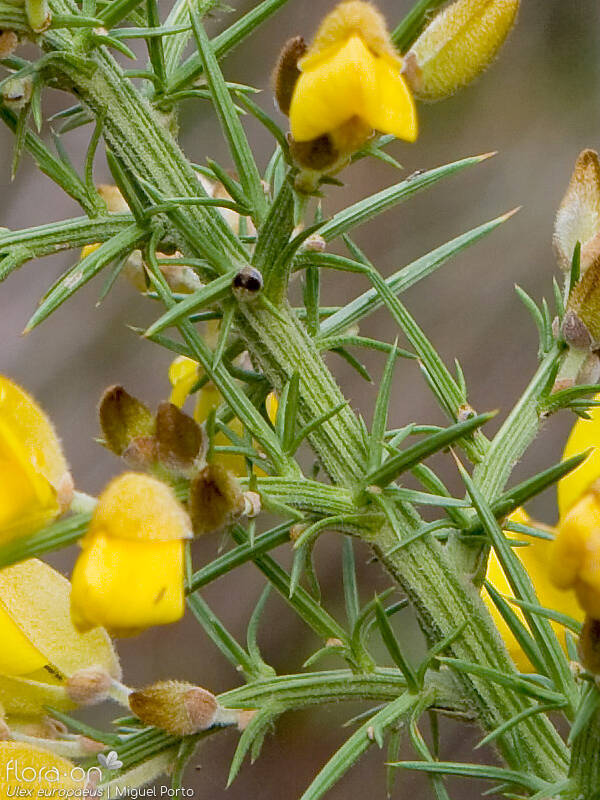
(247, 284)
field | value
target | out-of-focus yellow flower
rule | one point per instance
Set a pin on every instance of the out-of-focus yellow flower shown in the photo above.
(575, 555)
(129, 575)
(184, 373)
(350, 83)
(35, 483)
(584, 436)
(44, 774)
(535, 558)
(41, 649)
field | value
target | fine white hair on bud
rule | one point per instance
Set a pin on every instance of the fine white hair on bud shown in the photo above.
(89, 686)
(177, 707)
(578, 216)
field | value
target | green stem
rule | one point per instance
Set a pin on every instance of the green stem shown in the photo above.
(585, 760)
(282, 347)
(424, 569)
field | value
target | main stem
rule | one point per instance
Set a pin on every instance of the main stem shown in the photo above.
(280, 344)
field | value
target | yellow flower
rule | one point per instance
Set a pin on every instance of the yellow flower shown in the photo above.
(183, 375)
(40, 772)
(35, 483)
(584, 436)
(129, 575)
(350, 83)
(535, 558)
(575, 555)
(41, 649)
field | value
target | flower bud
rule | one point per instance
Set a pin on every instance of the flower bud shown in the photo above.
(123, 419)
(286, 73)
(215, 499)
(180, 440)
(177, 707)
(16, 93)
(589, 645)
(457, 46)
(39, 15)
(578, 217)
(89, 686)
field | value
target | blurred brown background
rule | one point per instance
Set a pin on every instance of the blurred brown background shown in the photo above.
(538, 107)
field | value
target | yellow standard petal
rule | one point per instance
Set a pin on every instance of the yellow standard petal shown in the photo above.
(127, 586)
(585, 435)
(35, 484)
(535, 558)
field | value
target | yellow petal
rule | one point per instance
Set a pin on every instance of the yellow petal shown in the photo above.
(23, 766)
(332, 90)
(18, 655)
(35, 600)
(127, 586)
(88, 249)
(577, 531)
(31, 698)
(391, 108)
(136, 506)
(272, 404)
(535, 558)
(585, 435)
(183, 374)
(33, 472)
(209, 398)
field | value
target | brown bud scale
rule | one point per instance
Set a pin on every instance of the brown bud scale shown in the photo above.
(215, 499)
(286, 72)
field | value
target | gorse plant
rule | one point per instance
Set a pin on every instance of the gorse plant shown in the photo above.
(215, 252)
